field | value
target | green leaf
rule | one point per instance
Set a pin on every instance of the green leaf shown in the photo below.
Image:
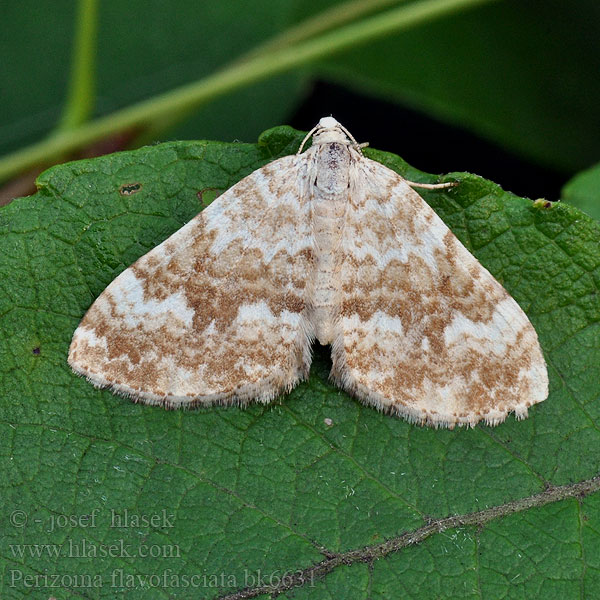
(485, 70)
(583, 191)
(278, 497)
(141, 53)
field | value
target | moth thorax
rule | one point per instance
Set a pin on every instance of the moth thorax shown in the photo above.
(330, 197)
(331, 171)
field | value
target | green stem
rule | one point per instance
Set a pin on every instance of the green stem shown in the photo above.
(328, 19)
(81, 95)
(234, 77)
(337, 15)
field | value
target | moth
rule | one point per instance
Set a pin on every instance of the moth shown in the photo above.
(323, 245)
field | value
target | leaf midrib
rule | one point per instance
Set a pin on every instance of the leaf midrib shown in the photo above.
(368, 554)
(371, 552)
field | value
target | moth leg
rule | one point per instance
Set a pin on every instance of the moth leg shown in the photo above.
(432, 186)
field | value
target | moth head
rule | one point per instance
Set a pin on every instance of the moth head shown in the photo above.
(328, 130)
(328, 123)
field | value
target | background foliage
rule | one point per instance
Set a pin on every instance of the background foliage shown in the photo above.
(341, 500)
(506, 72)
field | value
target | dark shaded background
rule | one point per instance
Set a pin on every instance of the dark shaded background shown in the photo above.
(391, 127)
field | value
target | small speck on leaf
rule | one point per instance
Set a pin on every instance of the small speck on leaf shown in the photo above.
(36, 350)
(128, 189)
(207, 195)
(543, 203)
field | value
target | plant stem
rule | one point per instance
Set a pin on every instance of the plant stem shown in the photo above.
(328, 19)
(81, 94)
(337, 15)
(236, 76)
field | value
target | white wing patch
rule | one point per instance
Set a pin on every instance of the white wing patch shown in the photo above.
(214, 314)
(330, 245)
(425, 331)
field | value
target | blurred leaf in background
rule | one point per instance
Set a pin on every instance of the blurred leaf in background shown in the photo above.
(521, 75)
(584, 191)
(144, 48)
